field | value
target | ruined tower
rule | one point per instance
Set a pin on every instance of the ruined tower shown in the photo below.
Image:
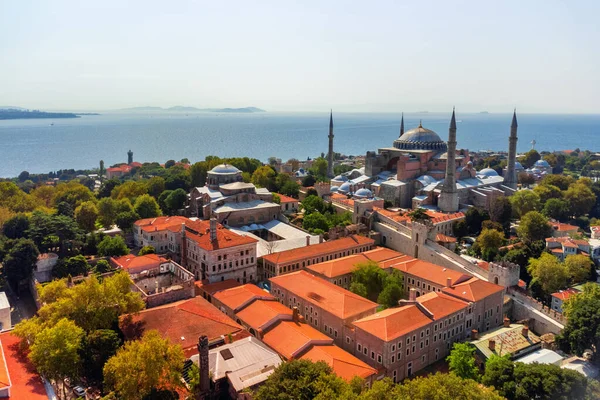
(448, 200)
(510, 179)
(330, 153)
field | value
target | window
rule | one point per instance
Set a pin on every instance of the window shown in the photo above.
(426, 342)
(423, 359)
(407, 351)
(365, 351)
(393, 347)
(422, 333)
(359, 347)
(379, 358)
(347, 339)
(393, 359)
(372, 355)
(408, 340)
(414, 338)
(335, 334)
(421, 345)
(399, 345)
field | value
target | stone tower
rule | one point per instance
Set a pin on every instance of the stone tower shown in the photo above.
(448, 200)
(330, 153)
(504, 273)
(401, 126)
(204, 367)
(129, 157)
(510, 179)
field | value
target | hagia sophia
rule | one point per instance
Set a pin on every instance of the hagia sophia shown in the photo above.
(421, 169)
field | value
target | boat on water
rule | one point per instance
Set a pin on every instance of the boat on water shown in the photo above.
(51, 123)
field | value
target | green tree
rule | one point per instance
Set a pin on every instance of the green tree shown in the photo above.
(459, 229)
(198, 174)
(146, 207)
(308, 181)
(16, 200)
(20, 260)
(313, 204)
(557, 209)
(461, 361)
(549, 272)
(580, 198)
(276, 198)
(474, 217)
(101, 171)
(65, 209)
(55, 353)
(169, 164)
(73, 266)
(175, 200)
(547, 192)
(359, 289)
(489, 241)
(390, 295)
(142, 365)
(582, 331)
(419, 215)
(372, 277)
(319, 168)
(98, 347)
(155, 186)
(125, 220)
(264, 177)
(530, 158)
(315, 221)
(524, 201)
(129, 190)
(301, 380)
(290, 188)
(443, 387)
(112, 247)
(107, 211)
(86, 215)
(579, 267)
(102, 266)
(560, 181)
(73, 193)
(147, 250)
(16, 227)
(533, 227)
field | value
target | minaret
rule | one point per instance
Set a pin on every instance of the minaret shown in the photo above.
(448, 199)
(330, 154)
(402, 126)
(510, 179)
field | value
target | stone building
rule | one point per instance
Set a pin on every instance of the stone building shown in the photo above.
(230, 200)
(155, 232)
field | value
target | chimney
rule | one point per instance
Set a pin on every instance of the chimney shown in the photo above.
(492, 345)
(213, 229)
(203, 363)
(295, 314)
(525, 331)
(474, 334)
(412, 294)
(321, 238)
(449, 282)
(307, 240)
(506, 322)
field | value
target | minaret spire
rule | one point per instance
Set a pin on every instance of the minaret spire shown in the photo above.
(402, 126)
(330, 153)
(448, 199)
(510, 177)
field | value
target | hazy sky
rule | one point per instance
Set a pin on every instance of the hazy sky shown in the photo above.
(541, 56)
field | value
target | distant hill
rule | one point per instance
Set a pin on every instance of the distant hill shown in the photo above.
(35, 114)
(192, 109)
(12, 108)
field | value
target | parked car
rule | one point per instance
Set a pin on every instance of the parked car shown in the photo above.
(79, 391)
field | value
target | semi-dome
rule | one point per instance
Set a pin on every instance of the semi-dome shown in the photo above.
(487, 172)
(334, 189)
(363, 193)
(344, 188)
(542, 163)
(420, 139)
(224, 169)
(518, 166)
(340, 178)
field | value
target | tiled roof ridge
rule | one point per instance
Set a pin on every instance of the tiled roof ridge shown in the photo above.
(211, 316)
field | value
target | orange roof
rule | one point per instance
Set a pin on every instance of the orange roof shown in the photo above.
(557, 251)
(393, 261)
(331, 298)
(18, 371)
(120, 168)
(565, 294)
(4, 375)
(437, 217)
(392, 323)
(440, 237)
(260, 312)
(381, 254)
(440, 304)
(238, 297)
(559, 226)
(212, 288)
(162, 223)
(431, 272)
(134, 262)
(184, 321)
(286, 199)
(290, 338)
(344, 364)
(317, 250)
(568, 242)
(339, 266)
(199, 232)
(474, 289)
(484, 265)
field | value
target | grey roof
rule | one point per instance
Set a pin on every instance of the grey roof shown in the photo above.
(224, 169)
(542, 356)
(487, 172)
(237, 186)
(212, 193)
(245, 205)
(420, 134)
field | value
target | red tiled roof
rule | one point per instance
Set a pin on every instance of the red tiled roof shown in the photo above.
(238, 297)
(344, 364)
(290, 338)
(381, 254)
(212, 288)
(559, 226)
(440, 237)
(286, 199)
(441, 304)
(557, 251)
(260, 312)
(162, 223)
(184, 321)
(331, 298)
(474, 289)
(392, 323)
(18, 371)
(317, 250)
(339, 266)
(121, 168)
(199, 232)
(431, 272)
(565, 294)
(131, 261)
(437, 217)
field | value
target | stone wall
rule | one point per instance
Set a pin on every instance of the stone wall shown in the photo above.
(523, 306)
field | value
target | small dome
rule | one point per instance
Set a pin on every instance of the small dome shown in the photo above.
(542, 163)
(345, 188)
(334, 189)
(340, 178)
(363, 193)
(224, 169)
(487, 172)
(536, 170)
(518, 166)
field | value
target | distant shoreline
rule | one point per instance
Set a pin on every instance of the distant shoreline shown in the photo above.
(35, 114)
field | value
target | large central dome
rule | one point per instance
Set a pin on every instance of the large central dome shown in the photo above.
(420, 139)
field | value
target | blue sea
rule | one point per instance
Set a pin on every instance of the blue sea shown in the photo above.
(39, 147)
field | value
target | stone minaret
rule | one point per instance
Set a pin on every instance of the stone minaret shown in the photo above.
(330, 154)
(448, 200)
(129, 157)
(203, 366)
(402, 126)
(510, 179)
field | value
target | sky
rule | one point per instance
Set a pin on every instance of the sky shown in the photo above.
(354, 56)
